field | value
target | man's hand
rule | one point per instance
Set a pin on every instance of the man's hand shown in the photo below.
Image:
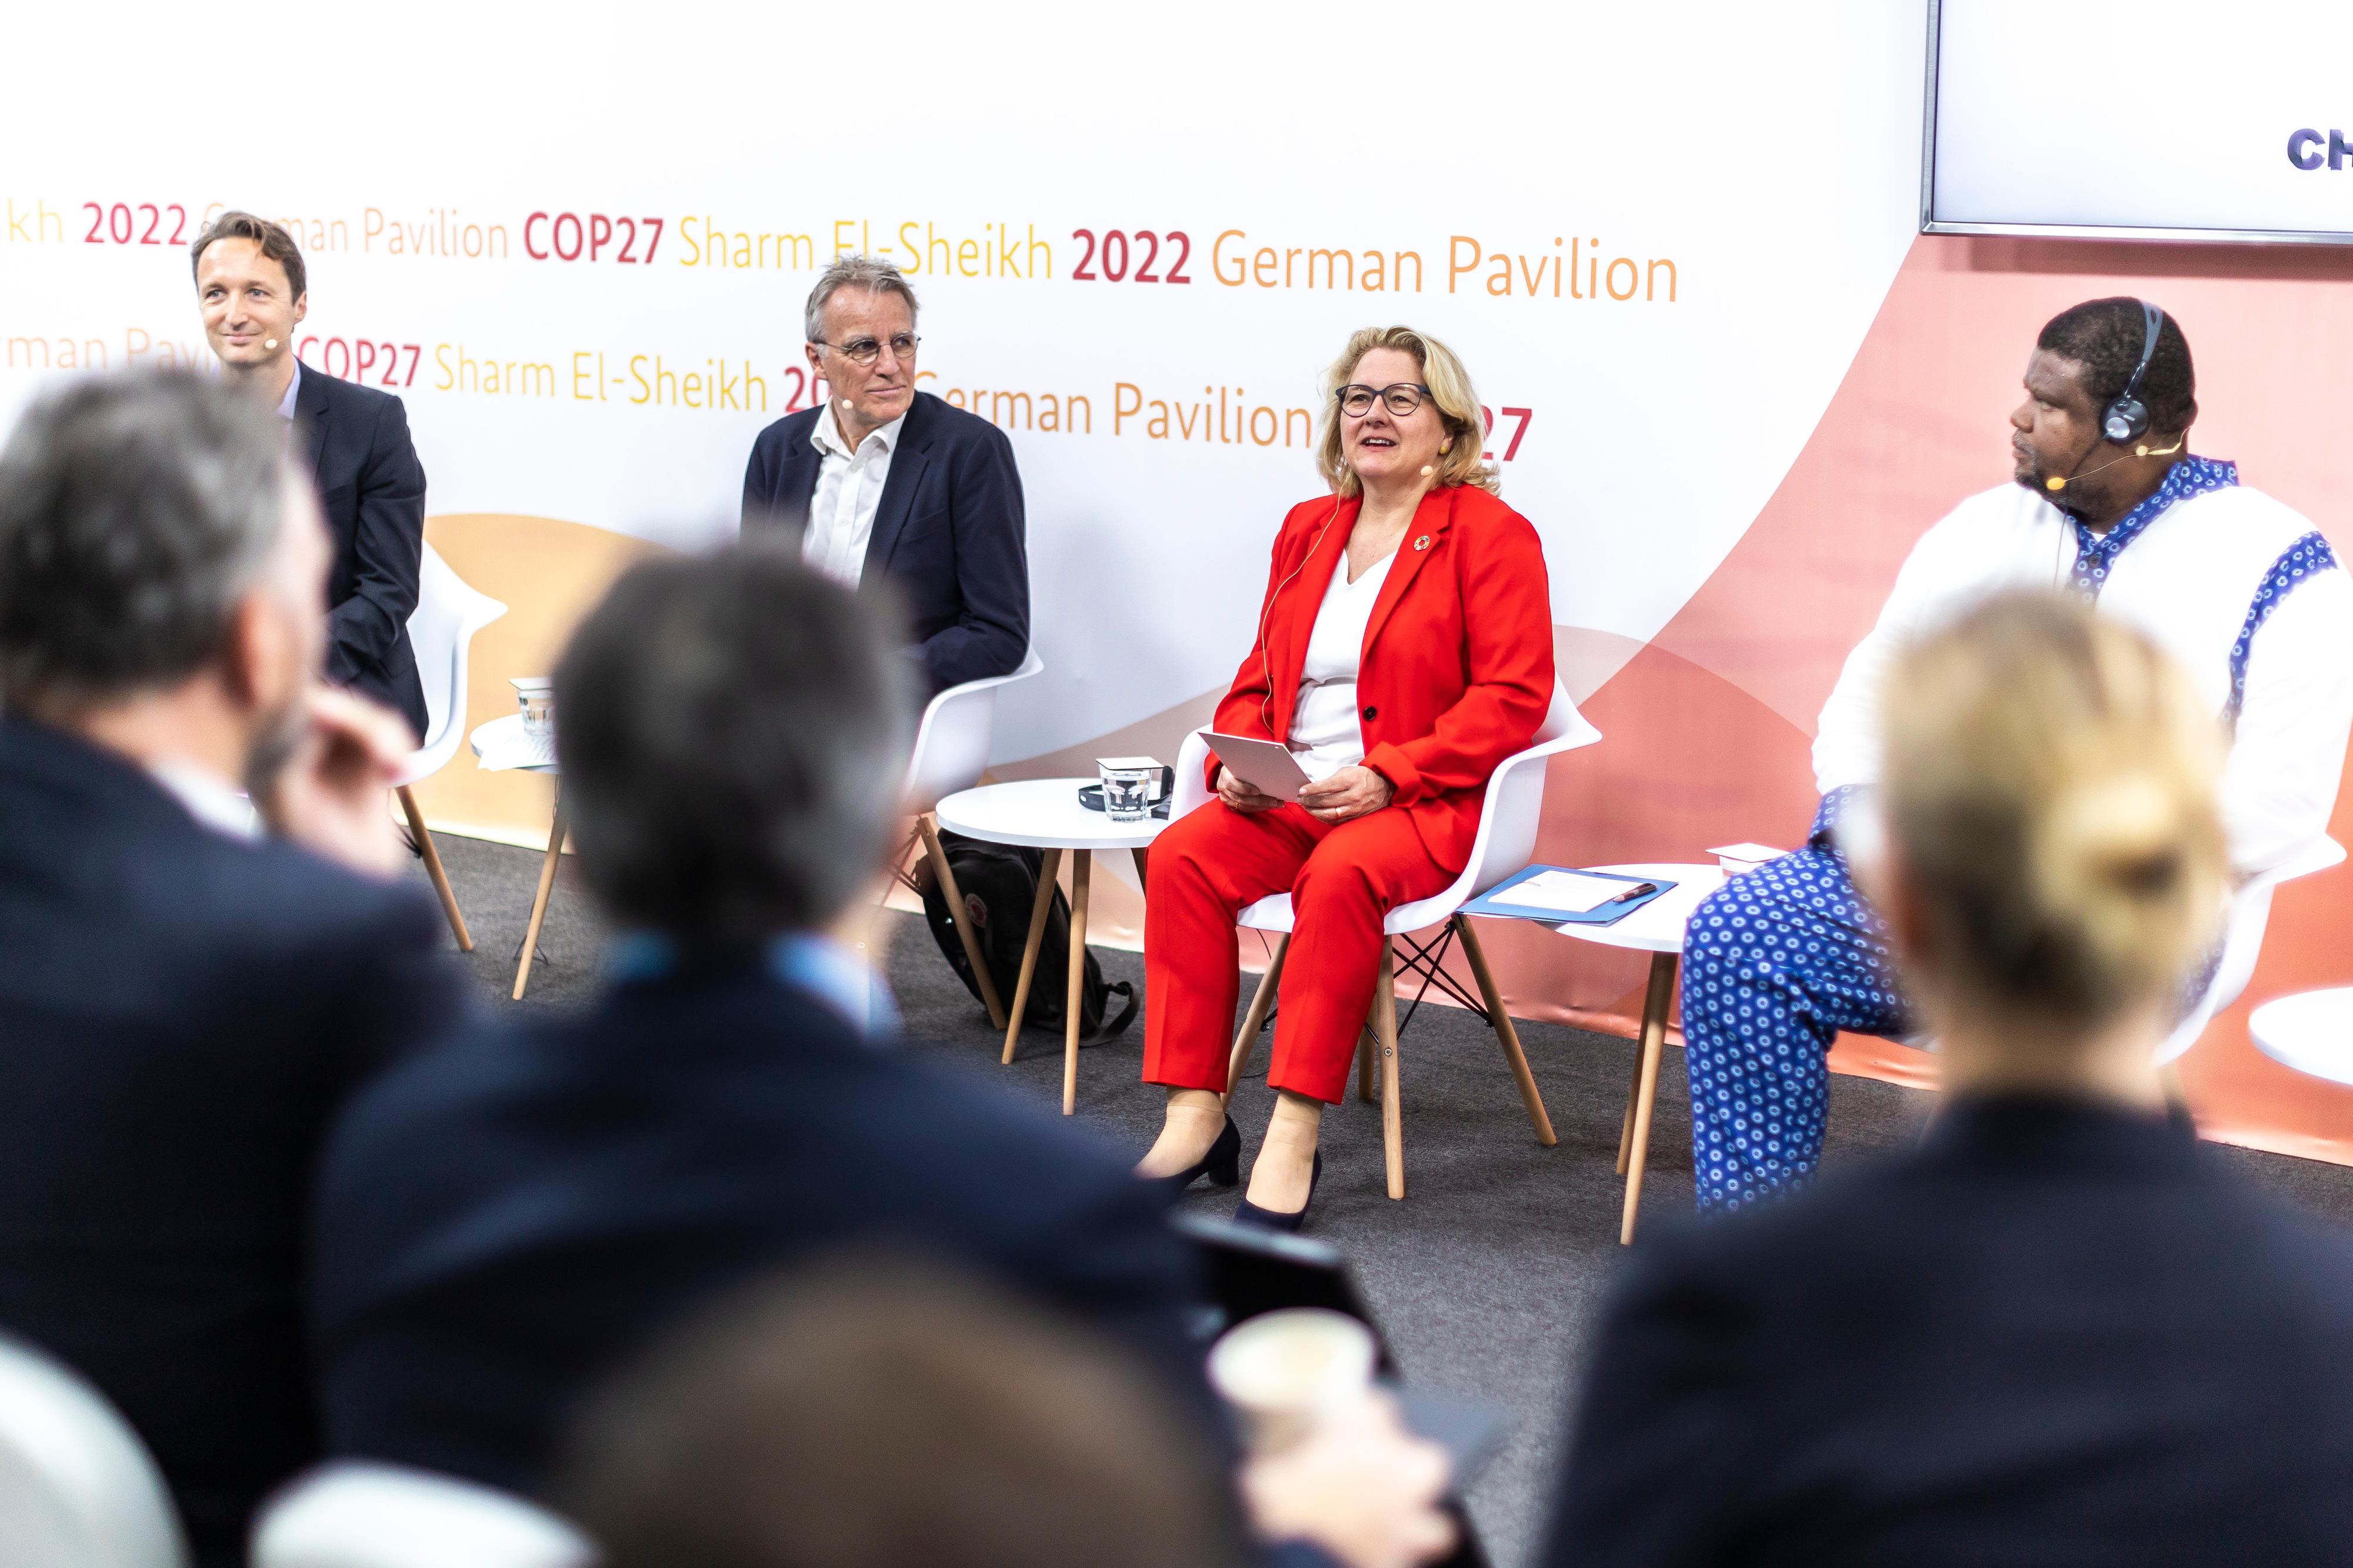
(1353, 792)
(1359, 1485)
(329, 793)
(1240, 796)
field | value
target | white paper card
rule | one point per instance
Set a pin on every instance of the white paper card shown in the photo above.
(1570, 892)
(504, 743)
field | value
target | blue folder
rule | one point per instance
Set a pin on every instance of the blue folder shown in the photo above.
(1496, 901)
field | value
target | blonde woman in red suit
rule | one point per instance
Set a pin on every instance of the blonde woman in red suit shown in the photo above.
(1405, 650)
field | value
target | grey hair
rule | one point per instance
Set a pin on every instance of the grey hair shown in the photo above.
(734, 731)
(136, 510)
(853, 270)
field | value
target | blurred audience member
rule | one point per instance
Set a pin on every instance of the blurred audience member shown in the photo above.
(184, 998)
(787, 1427)
(2059, 1330)
(506, 1219)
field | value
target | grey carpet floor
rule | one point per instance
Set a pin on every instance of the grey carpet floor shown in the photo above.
(1486, 1280)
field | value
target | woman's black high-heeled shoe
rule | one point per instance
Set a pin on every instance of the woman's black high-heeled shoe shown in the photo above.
(1222, 1165)
(1248, 1213)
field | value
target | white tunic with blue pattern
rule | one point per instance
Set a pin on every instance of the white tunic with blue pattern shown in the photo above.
(2238, 588)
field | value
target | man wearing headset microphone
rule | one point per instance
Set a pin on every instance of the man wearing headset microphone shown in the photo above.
(252, 292)
(2109, 505)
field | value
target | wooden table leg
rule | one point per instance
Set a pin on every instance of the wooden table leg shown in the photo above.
(1655, 1002)
(539, 902)
(1081, 862)
(424, 836)
(1246, 1037)
(1143, 853)
(1392, 1106)
(1038, 909)
(959, 917)
(1504, 1032)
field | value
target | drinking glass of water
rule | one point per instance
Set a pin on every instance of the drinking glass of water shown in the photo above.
(1128, 786)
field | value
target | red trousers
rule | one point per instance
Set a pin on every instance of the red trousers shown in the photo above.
(1342, 881)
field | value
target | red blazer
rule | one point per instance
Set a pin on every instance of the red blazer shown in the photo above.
(1457, 667)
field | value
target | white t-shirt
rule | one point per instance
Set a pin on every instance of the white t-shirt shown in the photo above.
(1325, 730)
(2188, 583)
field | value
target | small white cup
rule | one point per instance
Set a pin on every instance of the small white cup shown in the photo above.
(1285, 1372)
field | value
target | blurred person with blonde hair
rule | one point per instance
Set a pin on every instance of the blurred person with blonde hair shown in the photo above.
(1404, 649)
(2058, 1331)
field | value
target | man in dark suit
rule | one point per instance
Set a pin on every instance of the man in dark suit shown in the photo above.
(505, 1219)
(252, 289)
(183, 999)
(880, 481)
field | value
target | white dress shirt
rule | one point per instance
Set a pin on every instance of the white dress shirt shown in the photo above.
(1325, 732)
(209, 799)
(293, 386)
(2188, 583)
(849, 489)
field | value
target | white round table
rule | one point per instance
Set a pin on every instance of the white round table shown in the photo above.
(1045, 814)
(493, 733)
(2312, 1033)
(1657, 929)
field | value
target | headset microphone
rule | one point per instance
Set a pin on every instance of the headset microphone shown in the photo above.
(270, 343)
(2126, 417)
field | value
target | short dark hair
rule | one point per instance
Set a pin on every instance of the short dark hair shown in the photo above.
(135, 511)
(275, 242)
(733, 730)
(2104, 337)
(875, 1411)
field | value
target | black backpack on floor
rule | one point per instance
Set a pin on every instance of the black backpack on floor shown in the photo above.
(999, 884)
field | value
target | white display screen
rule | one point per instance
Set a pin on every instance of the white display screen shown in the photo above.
(2184, 118)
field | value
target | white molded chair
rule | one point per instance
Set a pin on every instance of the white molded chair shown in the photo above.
(448, 615)
(1505, 844)
(77, 1489)
(950, 753)
(355, 1515)
(2243, 941)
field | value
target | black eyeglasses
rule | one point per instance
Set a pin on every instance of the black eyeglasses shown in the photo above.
(866, 350)
(1402, 397)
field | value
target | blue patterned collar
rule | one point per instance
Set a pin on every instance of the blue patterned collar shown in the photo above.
(2095, 552)
(817, 965)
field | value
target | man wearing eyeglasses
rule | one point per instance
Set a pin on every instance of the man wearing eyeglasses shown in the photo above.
(881, 480)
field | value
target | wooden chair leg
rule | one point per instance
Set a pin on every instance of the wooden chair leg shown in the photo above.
(1654, 1039)
(1392, 1110)
(1038, 912)
(958, 915)
(1081, 863)
(424, 836)
(1368, 1064)
(1246, 1037)
(538, 901)
(1504, 1032)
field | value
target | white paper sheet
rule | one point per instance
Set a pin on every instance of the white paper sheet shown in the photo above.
(1570, 892)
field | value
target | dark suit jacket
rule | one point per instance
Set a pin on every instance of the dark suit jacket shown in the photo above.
(505, 1219)
(949, 534)
(2054, 1334)
(372, 489)
(180, 1013)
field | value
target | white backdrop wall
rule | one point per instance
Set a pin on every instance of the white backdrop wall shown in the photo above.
(1737, 185)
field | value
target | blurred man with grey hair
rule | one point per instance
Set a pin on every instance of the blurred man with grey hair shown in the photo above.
(187, 992)
(879, 483)
(506, 1219)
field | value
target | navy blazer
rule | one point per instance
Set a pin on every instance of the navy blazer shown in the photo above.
(181, 1012)
(373, 489)
(504, 1220)
(949, 532)
(2052, 1334)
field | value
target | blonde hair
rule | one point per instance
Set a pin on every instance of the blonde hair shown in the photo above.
(1450, 389)
(2049, 784)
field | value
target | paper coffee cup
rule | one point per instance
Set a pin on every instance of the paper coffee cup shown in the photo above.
(1283, 1372)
